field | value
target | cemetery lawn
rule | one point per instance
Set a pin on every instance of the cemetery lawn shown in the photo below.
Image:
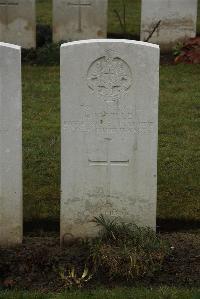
(178, 156)
(133, 12)
(118, 293)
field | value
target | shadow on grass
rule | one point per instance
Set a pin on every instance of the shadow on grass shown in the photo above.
(163, 225)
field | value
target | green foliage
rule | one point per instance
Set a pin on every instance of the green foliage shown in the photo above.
(189, 52)
(176, 50)
(126, 251)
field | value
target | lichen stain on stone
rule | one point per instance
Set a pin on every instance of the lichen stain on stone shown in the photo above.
(183, 24)
(99, 33)
(97, 206)
(11, 235)
(72, 200)
(29, 26)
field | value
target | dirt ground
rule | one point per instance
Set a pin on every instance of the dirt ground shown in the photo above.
(35, 264)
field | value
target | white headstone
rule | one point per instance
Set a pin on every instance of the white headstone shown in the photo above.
(177, 21)
(109, 119)
(10, 145)
(79, 19)
(18, 22)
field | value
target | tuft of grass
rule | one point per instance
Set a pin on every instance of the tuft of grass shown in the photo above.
(121, 252)
(125, 251)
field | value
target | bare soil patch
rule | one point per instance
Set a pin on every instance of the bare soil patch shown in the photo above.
(35, 264)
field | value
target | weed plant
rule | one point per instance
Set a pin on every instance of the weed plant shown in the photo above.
(121, 251)
(126, 251)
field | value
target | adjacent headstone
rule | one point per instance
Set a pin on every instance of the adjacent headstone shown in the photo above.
(79, 19)
(168, 21)
(10, 145)
(109, 119)
(18, 22)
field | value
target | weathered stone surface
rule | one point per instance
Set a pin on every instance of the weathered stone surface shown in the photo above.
(109, 114)
(79, 19)
(18, 22)
(178, 21)
(10, 145)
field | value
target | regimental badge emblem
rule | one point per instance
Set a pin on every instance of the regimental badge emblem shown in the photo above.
(109, 77)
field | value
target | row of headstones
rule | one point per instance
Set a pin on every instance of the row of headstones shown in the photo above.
(109, 127)
(166, 21)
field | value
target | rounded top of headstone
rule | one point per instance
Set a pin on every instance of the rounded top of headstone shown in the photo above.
(16, 47)
(114, 41)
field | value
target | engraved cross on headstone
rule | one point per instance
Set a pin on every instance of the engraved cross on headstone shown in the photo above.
(7, 4)
(108, 162)
(80, 5)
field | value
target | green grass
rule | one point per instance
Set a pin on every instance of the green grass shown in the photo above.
(133, 12)
(41, 141)
(44, 12)
(179, 151)
(118, 293)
